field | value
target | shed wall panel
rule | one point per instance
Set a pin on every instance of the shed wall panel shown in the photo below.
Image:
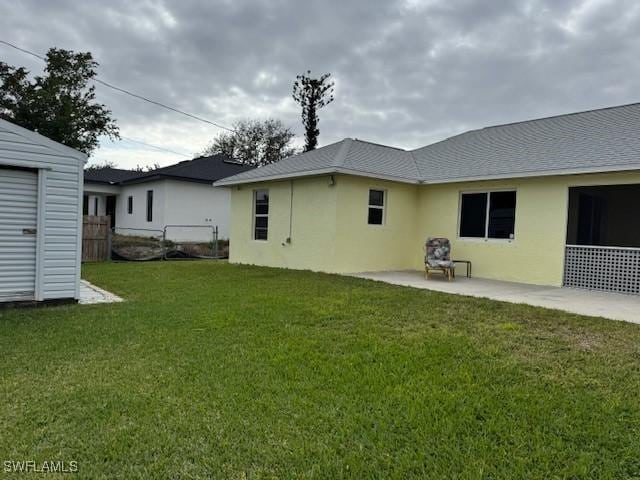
(18, 221)
(58, 212)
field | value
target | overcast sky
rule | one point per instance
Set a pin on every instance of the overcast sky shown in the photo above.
(407, 73)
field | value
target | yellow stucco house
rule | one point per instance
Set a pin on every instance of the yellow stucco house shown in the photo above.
(552, 201)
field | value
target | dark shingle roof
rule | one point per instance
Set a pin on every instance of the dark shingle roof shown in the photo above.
(109, 175)
(201, 170)
(601, 140)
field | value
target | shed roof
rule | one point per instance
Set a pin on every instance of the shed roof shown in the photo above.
(36, 138)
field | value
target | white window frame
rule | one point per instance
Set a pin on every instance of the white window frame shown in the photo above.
(262, 215)
(383, 207)
(486, 238)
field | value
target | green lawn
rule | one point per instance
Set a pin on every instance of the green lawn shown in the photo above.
(223, 371)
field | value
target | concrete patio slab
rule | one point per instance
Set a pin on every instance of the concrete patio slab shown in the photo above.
(90, 294)
(613, 306)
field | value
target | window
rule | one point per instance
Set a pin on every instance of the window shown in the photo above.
(376, 207)
(473, 215)
(149, 205)
(502, 214)
(95, 205)
(261, 214)
(488, 215)
(85, 204)
(130, 205)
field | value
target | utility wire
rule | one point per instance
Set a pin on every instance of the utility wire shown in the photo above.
(127, 92)
(182, 154)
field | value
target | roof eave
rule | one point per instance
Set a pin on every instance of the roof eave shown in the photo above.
(312, 173)
(163, 176)
(102, 182)
(46, 141)
(229, 181)
(537, 173)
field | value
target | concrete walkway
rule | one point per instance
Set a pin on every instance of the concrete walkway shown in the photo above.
(90, 294)
(584, 302)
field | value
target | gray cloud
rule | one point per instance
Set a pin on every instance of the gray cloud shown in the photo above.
(407, 73)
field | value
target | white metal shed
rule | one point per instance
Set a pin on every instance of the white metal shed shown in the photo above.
(41, 185)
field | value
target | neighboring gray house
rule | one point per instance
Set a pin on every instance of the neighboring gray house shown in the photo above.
(40, 217)
(142, 203)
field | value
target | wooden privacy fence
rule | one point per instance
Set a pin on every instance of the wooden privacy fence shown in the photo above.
(96, 238)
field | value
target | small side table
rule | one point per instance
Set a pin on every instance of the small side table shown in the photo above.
(468, 262)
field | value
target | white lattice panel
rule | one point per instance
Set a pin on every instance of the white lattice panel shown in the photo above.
(603, 268)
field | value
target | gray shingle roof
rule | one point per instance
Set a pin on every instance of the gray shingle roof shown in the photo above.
(597, 140)
(607, 139)
(347, 156)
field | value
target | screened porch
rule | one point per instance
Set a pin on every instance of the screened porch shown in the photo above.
(603, 238)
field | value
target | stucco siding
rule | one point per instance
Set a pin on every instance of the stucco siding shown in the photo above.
(190, 203)
(313, 225)
(361, 247)
(330, 231)
(136, 223)
(536, 254)
(174, 203)
(102, 204)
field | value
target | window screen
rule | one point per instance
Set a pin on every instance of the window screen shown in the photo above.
(376, 207)
(261, 214)
(496, 221)
(502, 214)
(473, 215)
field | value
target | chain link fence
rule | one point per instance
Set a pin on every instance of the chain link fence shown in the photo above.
(173, 242)
(191, 241)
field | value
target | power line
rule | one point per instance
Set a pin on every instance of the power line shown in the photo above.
(23, 50)
(127, 92)
(182, 154)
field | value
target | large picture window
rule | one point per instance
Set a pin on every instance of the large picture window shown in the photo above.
(488, 215)
(376, 207)
(260, 214)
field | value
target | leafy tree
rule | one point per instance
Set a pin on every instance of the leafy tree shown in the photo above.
(100, 166)
(147, 168)
(254, 142)
(312, 94)
(59, 105)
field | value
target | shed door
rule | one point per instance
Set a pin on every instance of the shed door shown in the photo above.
(18, 220)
